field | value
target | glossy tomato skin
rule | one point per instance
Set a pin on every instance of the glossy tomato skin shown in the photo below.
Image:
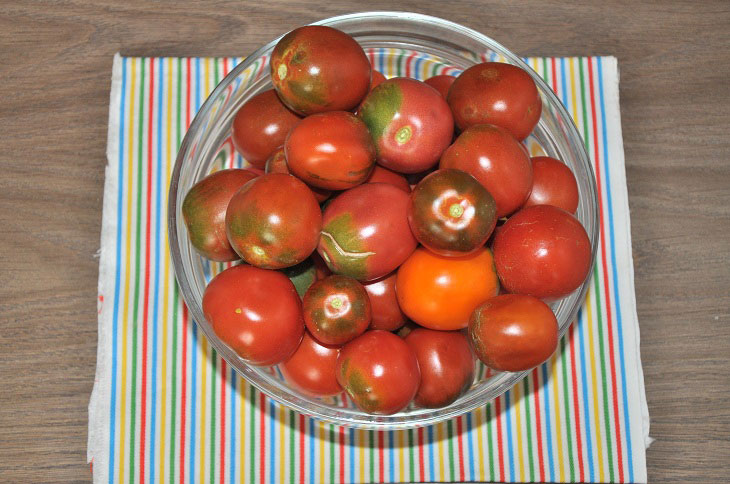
(387, 315)
(440, 292)
(377, 79)
(365, 232)
(274, 221)
(496, 93)
(494, 157)
(384, 175)
(277, 164)
(441, 83)
(542, 251)
(312, 368)
(256, 312)
(379, 371)
(261, 126)
(451, 213)
(204, 212)
(410, 123)
(316, 69)
(446, 362)
(336, 309)
(553, 183)
(513, 332)
(330, 150)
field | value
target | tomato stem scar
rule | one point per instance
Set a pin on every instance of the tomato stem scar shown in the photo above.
(403, 135)
(281, 71)
(456, 210)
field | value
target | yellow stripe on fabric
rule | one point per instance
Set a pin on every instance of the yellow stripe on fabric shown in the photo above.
(481, 428)
(440, 438)
(361, 443)
(596, 399)
(320, 428)
(557, 406)
(518, 430)
(402, 454)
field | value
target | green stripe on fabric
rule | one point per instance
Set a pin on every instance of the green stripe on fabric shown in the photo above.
(399, 64)
(292, 455)
(566, 396)
(411, 452)
(450, 433)
(490, 448)
(252, 434)
(372, 455)
(332, 453)
(528, 420)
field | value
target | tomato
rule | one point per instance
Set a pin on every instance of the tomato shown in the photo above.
(451, 213)
(410, 123)
(542, 251)
(446, 363)
(553, 183)
(256, 312)
(494, 157)
(365, 231)
(302, 275)
(379, 372)
(261, 126)
(330, 150)
(277, 164)
(377, 79)
(204, 212)
(441, 83)
(441, 292)
(312, 368)
(273, 221)
(496, 93)
(317, 68)
(387, 315)
(336, 310)
(513, 332)
(384, 175)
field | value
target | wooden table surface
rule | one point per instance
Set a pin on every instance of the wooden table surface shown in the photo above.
(55, 68)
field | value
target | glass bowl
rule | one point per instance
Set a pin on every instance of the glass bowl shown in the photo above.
(398, 44)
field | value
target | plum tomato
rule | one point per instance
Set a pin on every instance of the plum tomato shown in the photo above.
(379, 371)
(256, 312)
(274, 221)
(386, 314)
(336, 309)
(451, 213)
(440, 292)
(496, 93)
(204, 212)
(494, 157)
(365, 232)
(553, 183)
(317, 68)
(312, 368)
(446, 362)
(384, 175)
(542, 251)
(277, 164)
(410, 123)
(441, 83)
(330, 150)
(261, 126)
(513, 332)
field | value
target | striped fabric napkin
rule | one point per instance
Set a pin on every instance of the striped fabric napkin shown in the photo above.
(166, 408)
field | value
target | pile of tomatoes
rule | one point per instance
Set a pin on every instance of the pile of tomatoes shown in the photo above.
(398, 231)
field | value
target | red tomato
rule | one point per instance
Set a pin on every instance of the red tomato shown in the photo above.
(303, 275)
(447, 365)
(384, 175)
(553, 183)
(542, 251)
(377, 79)
(257, 312)
(387, 315)
(261, 126)
(410, 123)
(331, 150)
(494, 157)
(336, 310)
(379, 372)
(277, 164)
(312, 368)
(274, 221)
(496, 93)
(317, 68)
(513, 332)
(441, 83)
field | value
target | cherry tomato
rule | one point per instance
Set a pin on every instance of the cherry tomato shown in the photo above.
(441, 83)
(542, 251)
(496, 93)
(494, 157)
(553, 183)
(451, 213)
(302, 275)
(384, 175)
(204, 212)
(261, 126)
(410, 123)
(387, 315)
(336, 310)
(447, 365)
(317, 68)
(277, 164)
(441, 292)
(312, 368)
(378, 78)
(256, 312)
(365, 232)
(513, 332)
(274, 221)
(331, 150)
(379, 372)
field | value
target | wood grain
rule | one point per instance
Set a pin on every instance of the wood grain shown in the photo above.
(55, 67)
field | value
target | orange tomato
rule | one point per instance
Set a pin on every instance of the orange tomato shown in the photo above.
(441, 292)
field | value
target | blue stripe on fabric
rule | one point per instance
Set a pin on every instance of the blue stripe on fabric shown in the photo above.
(381, 60)
(312, 460)
(391, 454)
(417, 67)
(510, 447)
(272, 440)
(548, 418)
(586, 403)
(232, 459)
(431, 465)
(352, 455)
(469, 432)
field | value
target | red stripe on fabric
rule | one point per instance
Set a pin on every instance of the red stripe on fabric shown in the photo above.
(538, 424)
(342, 454)
(421, 464)
(302, 460)
(183, 385)
(262, 429)
(576, 405)
(459, 431)
(261, 69)
(381, 466)
(223, 420)
(409, 62)
(500, 448)
(553, 76)
(371, 56)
